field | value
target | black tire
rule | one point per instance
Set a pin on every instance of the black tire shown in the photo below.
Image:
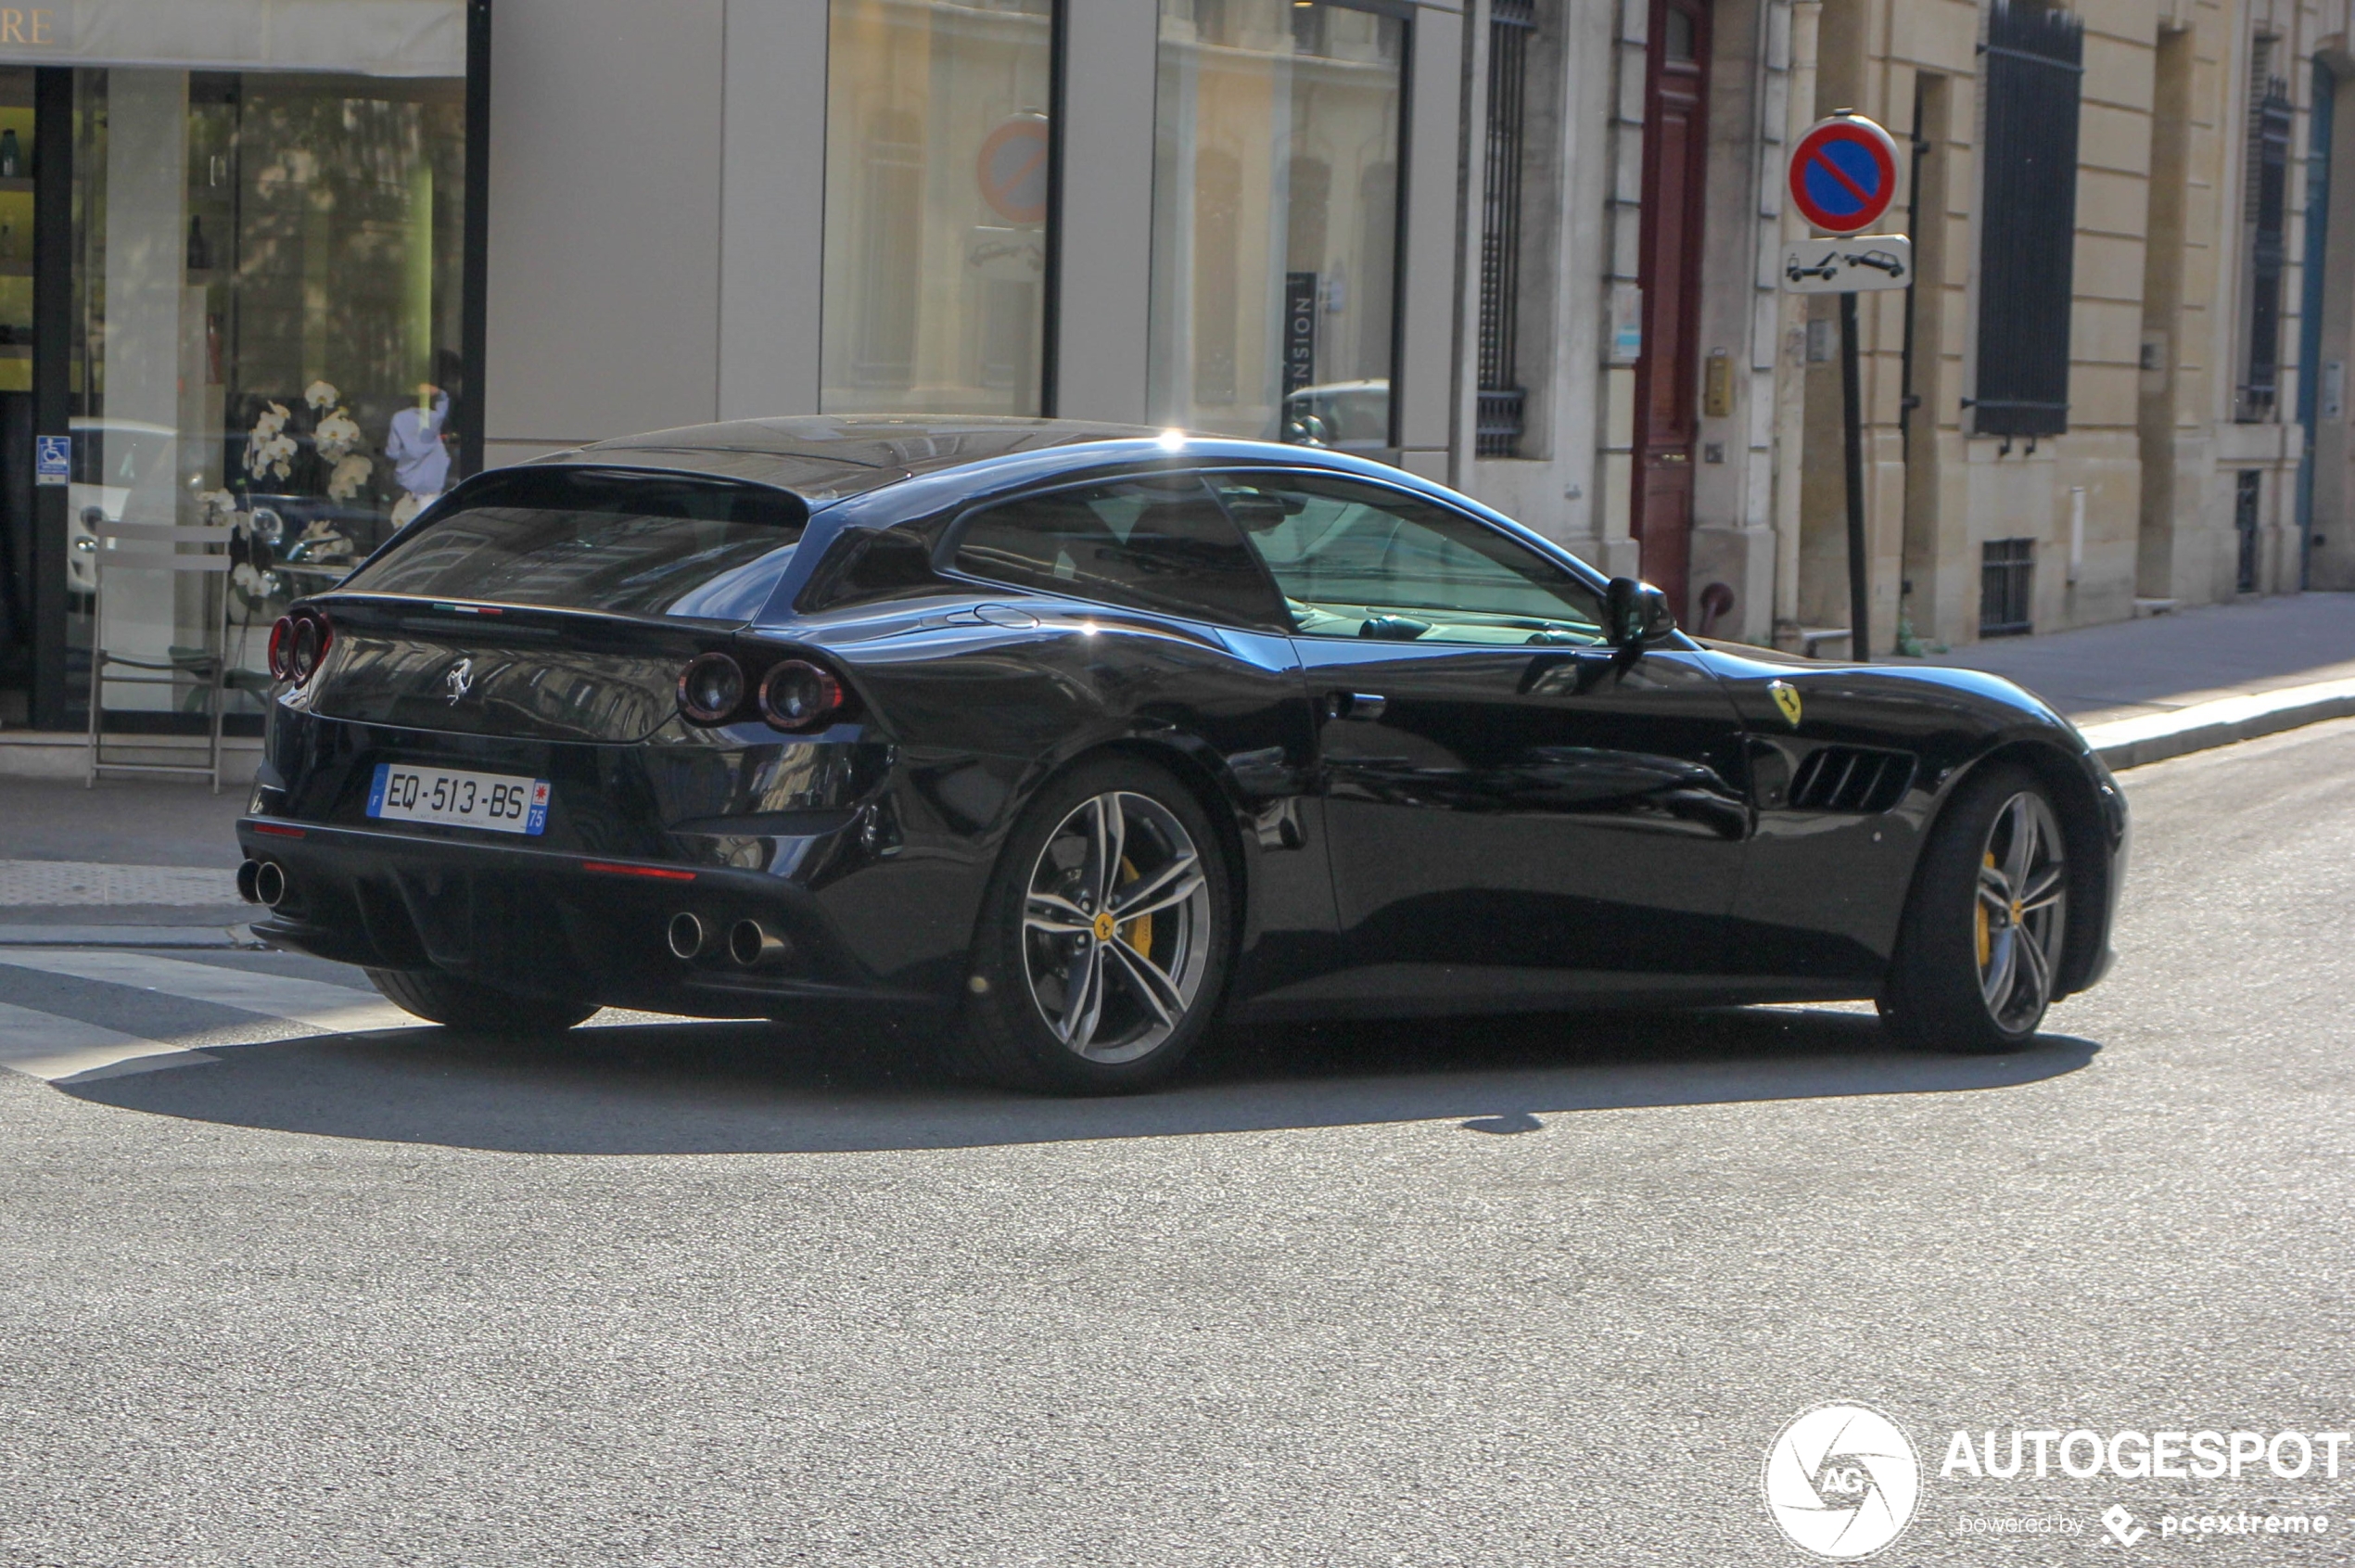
(1977, 961)
(1017, 1004)
(463, 1004)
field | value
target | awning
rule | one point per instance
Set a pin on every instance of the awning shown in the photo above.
(369, 37)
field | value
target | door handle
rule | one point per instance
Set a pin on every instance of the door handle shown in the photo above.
(1585, 668)
(1365, 706)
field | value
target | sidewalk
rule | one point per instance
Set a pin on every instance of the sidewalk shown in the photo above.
(2140, 669)
(145, 861)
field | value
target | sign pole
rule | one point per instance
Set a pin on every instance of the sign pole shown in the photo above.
(1842, 176)
(1860, 637)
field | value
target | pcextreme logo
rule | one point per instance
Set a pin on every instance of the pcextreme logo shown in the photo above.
(1841, 1481)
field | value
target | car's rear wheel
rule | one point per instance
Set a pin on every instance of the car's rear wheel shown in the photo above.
(1102, 951)
(462, 1004)
(1980, 951)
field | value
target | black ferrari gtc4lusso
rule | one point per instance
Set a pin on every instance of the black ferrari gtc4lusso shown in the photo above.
(1086, 736)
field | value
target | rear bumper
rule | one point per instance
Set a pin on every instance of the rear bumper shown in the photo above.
(554, 922)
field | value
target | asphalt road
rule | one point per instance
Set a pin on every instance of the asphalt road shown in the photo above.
(1537, 1292)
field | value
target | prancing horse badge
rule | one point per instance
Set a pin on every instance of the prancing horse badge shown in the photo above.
(1786, 697)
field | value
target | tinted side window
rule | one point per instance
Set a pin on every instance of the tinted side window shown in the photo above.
(1155, 546)
(1361, 560)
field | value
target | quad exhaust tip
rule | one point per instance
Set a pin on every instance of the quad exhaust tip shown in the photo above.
(269, 882)
(685, 935)
(752, 944)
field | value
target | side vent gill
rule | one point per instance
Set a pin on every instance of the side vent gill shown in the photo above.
(1851, 778)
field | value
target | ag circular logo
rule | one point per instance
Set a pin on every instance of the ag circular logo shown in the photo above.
(1841, 1481)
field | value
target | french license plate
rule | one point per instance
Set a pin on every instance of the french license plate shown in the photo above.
(496, 801)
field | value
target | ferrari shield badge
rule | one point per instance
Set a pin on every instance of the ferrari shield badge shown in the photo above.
(1786, 697)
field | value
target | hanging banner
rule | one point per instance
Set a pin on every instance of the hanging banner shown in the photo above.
(1300, 330)
(366, 37)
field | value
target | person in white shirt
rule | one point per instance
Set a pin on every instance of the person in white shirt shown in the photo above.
(420, 460)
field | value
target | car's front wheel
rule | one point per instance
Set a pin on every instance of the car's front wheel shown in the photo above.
(447, 998)
(1103, 951)
(1980, 951)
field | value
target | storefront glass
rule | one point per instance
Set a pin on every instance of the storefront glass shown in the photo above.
(266, 271)
(268, 285)
(936, 244)
(1275, 219)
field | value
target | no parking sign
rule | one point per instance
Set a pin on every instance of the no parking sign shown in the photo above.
(1843, 174)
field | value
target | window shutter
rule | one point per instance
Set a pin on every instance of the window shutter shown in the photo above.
(2034, 63)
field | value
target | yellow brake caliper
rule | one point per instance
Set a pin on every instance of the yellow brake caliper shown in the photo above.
(1139, 933)
(1979, 919)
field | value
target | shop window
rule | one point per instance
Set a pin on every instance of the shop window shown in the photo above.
(2007, 587)
(939, 147)
(2033, 59)
(1217, 236)
(248, 310)
(267, 276)
(891, 236)
(1275, 217)
(2264, 217)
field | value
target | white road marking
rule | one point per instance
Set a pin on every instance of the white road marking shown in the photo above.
(330, 1009)
(56, 1048)
(44, 1046)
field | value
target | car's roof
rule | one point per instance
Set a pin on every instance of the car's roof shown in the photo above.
(824, 458)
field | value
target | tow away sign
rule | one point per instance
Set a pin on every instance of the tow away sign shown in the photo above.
(1851, 264)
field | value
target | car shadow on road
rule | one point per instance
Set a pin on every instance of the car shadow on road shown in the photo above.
(861, 1084)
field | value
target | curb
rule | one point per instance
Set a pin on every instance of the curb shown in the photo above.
(218, 937)
(2132, 743)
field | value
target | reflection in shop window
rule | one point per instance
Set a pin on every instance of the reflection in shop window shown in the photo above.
(936, 222)
(266, 279)
(1275, 220)
(891, 230)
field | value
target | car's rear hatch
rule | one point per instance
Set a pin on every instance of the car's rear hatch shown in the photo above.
(522, 673)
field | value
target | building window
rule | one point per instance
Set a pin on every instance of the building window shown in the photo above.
(1510, 25)
(2248, 494)
(2007, 587)
(2264, 213)
(939, 147)
(2027, 219)
(1275, 219)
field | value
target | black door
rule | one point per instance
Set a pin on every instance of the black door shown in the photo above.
(1514, 810)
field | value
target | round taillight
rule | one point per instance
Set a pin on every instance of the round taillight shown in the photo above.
(282, 648)
(711, 688)
(797, 695)
(303, 658)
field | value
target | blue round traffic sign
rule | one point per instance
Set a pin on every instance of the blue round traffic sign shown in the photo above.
(1843, 174)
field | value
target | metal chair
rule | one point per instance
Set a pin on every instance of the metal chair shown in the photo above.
(155, 547)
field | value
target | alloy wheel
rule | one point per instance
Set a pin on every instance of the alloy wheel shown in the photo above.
(2022, 904)
(1117, 926)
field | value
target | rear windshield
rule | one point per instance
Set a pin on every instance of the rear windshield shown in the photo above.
(600, 540)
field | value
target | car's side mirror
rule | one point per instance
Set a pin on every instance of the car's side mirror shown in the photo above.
(1638, 613)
